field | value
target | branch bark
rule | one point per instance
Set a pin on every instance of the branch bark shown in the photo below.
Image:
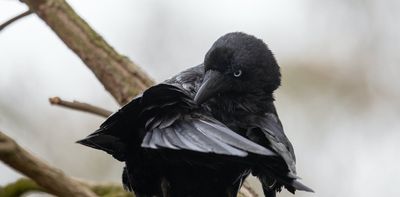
(119, 75)
(50, 178)
(80, 106)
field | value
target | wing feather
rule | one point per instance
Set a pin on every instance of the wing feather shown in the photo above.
(207, 136)
(273, 131)
(226, 135)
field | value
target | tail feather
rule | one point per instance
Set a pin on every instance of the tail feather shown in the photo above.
(110, 144)
(287, 179)
(300, 186)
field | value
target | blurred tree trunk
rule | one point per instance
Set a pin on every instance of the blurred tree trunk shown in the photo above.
(119, 75)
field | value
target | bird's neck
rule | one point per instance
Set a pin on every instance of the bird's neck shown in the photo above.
(254, 103)
(232, 109)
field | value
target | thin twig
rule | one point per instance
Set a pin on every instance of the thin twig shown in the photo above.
(9, 22)
(46, 176)
(80, 106)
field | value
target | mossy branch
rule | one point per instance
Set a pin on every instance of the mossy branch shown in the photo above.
(19, 187)
(23, 186)
(46, 176)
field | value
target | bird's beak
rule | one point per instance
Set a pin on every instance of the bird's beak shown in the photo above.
(212, 84)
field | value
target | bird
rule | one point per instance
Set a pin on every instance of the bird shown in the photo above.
(203, 131)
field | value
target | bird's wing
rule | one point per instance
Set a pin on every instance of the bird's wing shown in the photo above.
(177, 123)
(201, 135)
(165, 117)
(271, 128)
(125, 126)
(111, 134)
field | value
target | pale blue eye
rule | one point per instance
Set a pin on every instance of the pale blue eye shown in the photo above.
(237, 73)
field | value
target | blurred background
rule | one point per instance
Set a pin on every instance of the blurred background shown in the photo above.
(339, 101)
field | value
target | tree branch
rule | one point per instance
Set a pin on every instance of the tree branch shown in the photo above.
(10, 21)
(54, 180)
(80, 106)
(119, 75)
(24, 186)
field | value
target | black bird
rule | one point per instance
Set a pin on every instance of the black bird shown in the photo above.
(202, 132)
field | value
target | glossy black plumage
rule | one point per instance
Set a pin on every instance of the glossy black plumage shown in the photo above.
(203, 131)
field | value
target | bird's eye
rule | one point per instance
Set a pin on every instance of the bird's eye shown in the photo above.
(237, 73)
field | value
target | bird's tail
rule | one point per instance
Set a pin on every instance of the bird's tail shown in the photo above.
(296, 185)
(103, 141)
(272, 185)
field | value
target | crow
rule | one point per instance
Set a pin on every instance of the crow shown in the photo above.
(203, 131)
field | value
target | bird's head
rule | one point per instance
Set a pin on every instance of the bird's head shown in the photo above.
(238, 64)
